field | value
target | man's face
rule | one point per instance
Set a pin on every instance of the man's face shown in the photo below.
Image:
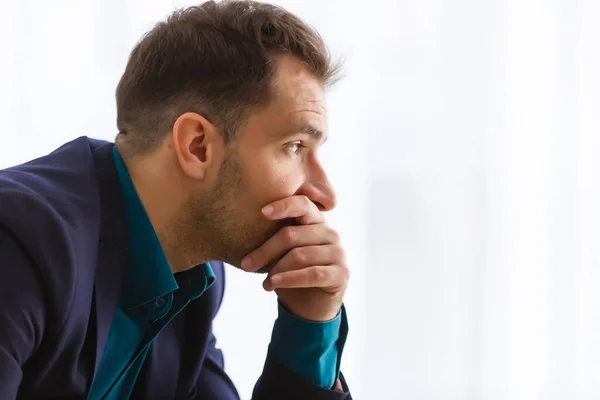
(274, 156)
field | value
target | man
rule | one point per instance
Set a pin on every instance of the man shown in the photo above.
(107, 288)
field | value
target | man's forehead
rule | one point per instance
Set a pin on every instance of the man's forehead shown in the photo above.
(301, 98)
(308, 117)
(295, 83)
(303, 113)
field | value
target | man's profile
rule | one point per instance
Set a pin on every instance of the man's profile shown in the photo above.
(112, 254)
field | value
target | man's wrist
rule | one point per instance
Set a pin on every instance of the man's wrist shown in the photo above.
(308, 316)
(310, 348)
(305, 307)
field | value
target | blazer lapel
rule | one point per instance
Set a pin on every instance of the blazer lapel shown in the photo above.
(112, 248)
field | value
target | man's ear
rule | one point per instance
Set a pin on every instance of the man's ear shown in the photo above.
(194, 141)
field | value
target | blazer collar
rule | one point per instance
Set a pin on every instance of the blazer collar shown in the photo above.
(112, 248)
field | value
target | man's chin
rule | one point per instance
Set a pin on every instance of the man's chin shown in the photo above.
(235, 259)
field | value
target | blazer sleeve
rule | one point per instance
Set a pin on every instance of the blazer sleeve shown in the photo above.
(279, 382)
(22, 313)
(276, 382)
(213, 382)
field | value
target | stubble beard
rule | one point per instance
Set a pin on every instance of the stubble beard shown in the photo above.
(220, 226)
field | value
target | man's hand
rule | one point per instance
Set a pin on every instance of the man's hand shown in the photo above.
(311, 275)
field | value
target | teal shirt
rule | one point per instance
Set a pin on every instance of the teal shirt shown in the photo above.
(152, 296)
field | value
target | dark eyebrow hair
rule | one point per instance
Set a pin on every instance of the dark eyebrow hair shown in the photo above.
(310, 130)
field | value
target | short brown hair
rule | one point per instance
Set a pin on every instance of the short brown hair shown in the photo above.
(216, 59)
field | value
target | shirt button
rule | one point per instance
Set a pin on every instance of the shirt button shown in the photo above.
(160, 302)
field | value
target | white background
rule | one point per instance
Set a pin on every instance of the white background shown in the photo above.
(463, 147)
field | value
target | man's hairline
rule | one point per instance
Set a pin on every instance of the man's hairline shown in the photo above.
(228, 137)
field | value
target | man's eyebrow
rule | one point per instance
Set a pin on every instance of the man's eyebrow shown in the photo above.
(310, 130)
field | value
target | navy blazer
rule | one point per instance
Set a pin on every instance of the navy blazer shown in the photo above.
(63, 250)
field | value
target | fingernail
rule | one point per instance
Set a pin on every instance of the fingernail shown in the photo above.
(267, 210)
(275, 280)
(246, 262)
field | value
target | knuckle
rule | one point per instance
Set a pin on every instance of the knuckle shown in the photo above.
(289, 234)
(340, 254)
(335, 236)
(306, 201)
(346, 274)
(319, 274)
(298, 255)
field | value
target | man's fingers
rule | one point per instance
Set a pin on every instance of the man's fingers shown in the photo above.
(302, 257)
(299, 207)
(286, 239)
(330, 278)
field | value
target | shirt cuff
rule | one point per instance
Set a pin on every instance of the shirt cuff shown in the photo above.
(310, 348)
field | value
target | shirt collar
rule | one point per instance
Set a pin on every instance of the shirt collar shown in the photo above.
(196, 280)
(148, 275)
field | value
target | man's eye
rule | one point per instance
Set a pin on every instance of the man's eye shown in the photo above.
(294, 147)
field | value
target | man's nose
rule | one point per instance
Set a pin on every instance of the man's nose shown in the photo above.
(319, 190)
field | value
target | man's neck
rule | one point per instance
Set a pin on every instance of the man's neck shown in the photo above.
(163, 203)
